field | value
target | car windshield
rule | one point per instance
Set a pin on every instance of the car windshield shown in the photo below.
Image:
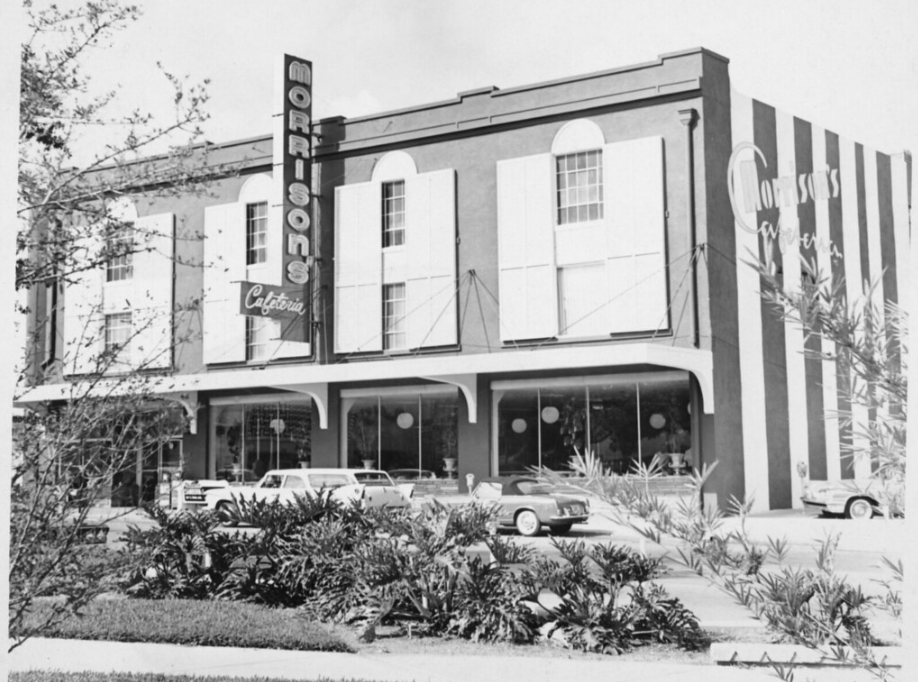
(373, 478)
(532, 488)
(318, 481)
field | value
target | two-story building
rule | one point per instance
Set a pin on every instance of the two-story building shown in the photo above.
(502, 280)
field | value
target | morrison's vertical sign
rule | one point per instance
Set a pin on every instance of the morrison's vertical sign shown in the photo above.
(290, 215)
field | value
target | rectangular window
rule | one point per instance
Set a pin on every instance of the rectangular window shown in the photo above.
(120, 265)
(394, 335)
(256, 233)
(256, 338)
(393, 211)
(117, 338)
(579, 187)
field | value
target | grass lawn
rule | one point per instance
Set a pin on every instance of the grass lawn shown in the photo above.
(57, 676)
(209, 623)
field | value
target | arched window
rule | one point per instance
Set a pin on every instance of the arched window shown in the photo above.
(577, 149)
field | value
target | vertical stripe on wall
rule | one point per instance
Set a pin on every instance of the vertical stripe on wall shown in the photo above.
(826, 225)
(773, 340)
(899, 183)
(749, 326)
(875, 259)
(852, 202)
(887, 238)
(806, 212)
(789, 245)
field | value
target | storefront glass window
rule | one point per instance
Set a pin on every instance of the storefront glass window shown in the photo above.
(613, 425)
(518, 431)
(439, 442)
(621, 422)
(665, 420)
(563, 421)
(410, 434)
(363, 432)
(250, 439)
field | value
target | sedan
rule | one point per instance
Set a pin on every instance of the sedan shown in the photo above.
(367, 488)
(528, 504)
(855, 499)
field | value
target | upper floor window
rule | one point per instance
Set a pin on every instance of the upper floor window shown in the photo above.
(394, 327)
(257, 332)
(393, 211)
(579, 187)
(120, 265)
(256, 233)
(117, 337)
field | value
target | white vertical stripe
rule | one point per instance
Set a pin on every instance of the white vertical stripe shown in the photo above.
(853, 275)
(824, 260)
(749, 323)
(793, 333)
(875, 256)
(899, 172)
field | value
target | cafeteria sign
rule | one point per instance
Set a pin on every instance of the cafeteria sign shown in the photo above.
(264, 300)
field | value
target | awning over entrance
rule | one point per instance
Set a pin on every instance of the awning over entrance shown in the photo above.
(459, 370)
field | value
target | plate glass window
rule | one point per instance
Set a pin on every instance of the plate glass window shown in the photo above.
(394, 334)
(579, 187)
(120, 266)
(117, 338)
(393, 210)
(256, 233)
(256, 338)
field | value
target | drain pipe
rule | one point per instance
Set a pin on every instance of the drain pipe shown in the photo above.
(687, 118)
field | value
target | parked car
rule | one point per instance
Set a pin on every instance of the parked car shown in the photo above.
(412, 474)
(855, 499)
(367, 487)
(528, 504)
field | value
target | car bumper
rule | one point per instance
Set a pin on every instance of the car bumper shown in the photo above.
(818, 507)
(565, 520)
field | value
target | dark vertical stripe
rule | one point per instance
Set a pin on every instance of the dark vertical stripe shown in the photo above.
(888, 247)
(773, 344)
(837, 233)
(806, 213)
(862, 213)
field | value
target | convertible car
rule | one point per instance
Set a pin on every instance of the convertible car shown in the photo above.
(855, 499)
(528, 504)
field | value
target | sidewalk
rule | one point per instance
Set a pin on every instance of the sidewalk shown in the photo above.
(73, 655)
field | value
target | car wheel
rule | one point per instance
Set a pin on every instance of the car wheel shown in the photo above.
(225, 513)
(563, 529)
(858, 508)
(527, 523)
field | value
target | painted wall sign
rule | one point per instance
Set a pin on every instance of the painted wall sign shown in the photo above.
(293, 176)
(265, 300)
(781, 191)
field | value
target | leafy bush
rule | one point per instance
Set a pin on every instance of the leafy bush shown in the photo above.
(412, 566)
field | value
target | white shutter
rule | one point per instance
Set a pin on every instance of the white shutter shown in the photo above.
(430, 241)
(358, 268)
(224, 267)
(152, 292)
(84, 330)
(526, 251)
(636, 256)
(272, 273)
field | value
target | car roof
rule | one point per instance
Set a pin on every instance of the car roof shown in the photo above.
(287, 472)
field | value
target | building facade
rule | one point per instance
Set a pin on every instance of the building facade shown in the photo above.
(499, 281)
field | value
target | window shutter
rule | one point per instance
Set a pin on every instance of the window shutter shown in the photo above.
(271, 273)
(636, 254)
(152, 292)
(358, 268)
(224, 267)
(526, 251)
(84, 331)
(430, 241)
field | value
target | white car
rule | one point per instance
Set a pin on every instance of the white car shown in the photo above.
(855, 499)
(369, 488)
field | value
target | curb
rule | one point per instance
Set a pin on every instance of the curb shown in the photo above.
(732, 653)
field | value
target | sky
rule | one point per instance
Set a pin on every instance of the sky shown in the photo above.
(847, 65)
